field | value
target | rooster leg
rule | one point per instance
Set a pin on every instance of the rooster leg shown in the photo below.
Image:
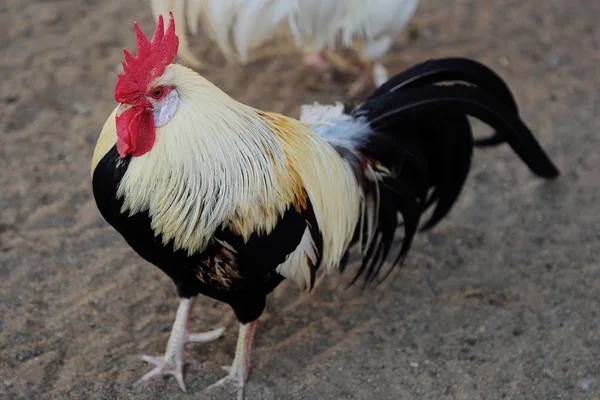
(173, 361)
(238, 372)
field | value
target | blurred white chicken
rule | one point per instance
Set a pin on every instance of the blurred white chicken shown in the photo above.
(368, 27)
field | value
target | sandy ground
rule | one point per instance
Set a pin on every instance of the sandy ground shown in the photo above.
(500, 301)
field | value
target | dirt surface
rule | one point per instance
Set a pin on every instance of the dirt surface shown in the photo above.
(500, 301)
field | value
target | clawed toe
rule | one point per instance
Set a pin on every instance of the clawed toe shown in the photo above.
(162, 368)
(235, 381)
(226, 368)
(174, 360)
(205, 337)
(173, 363)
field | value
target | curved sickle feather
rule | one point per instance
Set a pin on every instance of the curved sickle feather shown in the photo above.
(451, 69)
(462, 99)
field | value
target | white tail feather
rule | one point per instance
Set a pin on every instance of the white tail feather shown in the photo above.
(240, 26)
(257, 22)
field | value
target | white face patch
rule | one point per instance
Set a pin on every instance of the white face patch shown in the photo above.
(165, 108)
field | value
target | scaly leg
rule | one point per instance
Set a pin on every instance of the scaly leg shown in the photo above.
(330, 64)
(364, 82)
(341, 64)
(372, 76)
(317, 60)
(238, 372)
(373, 73)
(173, 361)
(380, 74)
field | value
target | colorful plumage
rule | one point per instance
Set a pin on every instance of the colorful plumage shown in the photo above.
(229, 200)
(238, 27)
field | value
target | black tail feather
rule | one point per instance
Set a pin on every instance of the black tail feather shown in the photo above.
(396, 197)
(493, 140)
(455, 149)
(450, 69)
(465, 100)
(432, 148)
(454, 69)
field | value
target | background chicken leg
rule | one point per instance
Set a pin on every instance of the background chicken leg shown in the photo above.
(331, 64)
(371, 76)
(368, 74)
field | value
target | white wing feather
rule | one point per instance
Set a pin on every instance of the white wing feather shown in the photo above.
(298, 267)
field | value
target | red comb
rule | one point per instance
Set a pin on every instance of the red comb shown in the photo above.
(149, 63)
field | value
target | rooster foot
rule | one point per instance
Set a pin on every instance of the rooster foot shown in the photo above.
(162, 367)
(236, 378)
(238, 372)
(174, 360)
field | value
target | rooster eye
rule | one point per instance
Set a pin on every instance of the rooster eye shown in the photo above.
(157, 93)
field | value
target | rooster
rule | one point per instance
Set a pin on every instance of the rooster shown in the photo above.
(368, 27)
(229, 200)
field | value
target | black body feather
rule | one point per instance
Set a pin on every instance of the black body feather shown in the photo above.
(428, 144)
(244, 277)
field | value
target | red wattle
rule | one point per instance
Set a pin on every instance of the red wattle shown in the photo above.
(135, 131)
